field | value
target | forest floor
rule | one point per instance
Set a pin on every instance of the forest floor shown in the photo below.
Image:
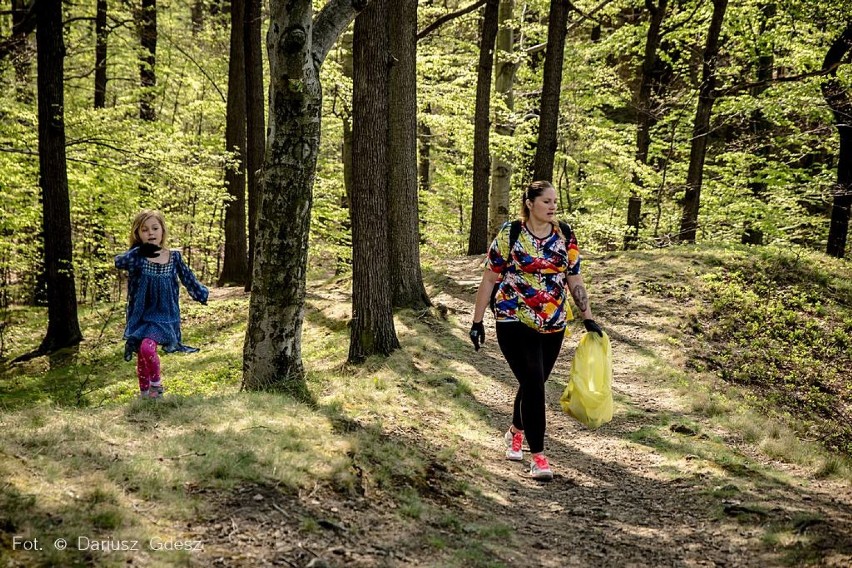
(673, 480)
(662, 485)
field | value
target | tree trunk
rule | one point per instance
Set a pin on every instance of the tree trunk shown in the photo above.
(701, 128)
(21, 51)
(148, 58)
(101, 54)
(841, 107)
(255, 127)
(297, 46)
(63, 329)
(548, 122)
(372, 329)
(501, 168)
(646, 115)
(235, 262)
(197, 16)
(478, 240)
(424, 154)
(346, 118)
(760, 126)
(407, 290)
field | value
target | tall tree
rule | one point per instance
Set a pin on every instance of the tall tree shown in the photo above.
(548, 121)
(22, 21)
(372, 330)
(235, 263)
(646, 113)
(839, 101)
(196, 16)
(478, 239)
(147, 25)
(63, 328)
(297, 44)
(701, 126)
(407, 290)
(100, 54)
(424, 153)
(345, 114)
(255, 126)
(760, 126)
(501, 168)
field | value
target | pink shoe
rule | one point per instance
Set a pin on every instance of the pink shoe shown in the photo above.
(513, 445)
(156, 391)
(539, 468)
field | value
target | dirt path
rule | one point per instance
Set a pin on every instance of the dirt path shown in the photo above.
(659, 486)
(615, 502)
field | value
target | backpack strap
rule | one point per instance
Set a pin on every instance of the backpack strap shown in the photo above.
(566, 230)
(514, 233)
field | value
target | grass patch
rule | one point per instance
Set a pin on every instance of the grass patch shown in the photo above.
(83, 454)
(778, 322)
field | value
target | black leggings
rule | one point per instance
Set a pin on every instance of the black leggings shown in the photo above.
(531, 356)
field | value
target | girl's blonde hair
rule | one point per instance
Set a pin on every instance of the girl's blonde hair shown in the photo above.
(140, 219)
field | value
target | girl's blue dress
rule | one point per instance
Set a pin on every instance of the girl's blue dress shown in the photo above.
(153, 309)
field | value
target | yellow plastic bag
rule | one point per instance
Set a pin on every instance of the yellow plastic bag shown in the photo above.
(588, 396)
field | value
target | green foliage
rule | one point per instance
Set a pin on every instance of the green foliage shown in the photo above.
(118, 164)
(775, 178)
(779, 323)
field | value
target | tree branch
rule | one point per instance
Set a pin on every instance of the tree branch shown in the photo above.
(78, 19)
(735, 89)
(833, 92)
(330, 23)
(200, 68)
(681, 23)
(25, 27)
(447, 17)
(574, 25)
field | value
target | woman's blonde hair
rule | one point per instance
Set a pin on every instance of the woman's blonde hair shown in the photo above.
(140, 219)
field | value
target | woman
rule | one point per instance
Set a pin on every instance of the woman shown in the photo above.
(531, 311)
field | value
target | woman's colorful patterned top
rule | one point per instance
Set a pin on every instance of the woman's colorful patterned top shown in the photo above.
(533, 289)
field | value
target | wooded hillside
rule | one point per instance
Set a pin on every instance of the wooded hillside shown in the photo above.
(659, 122)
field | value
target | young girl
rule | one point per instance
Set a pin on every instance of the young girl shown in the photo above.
(153, 311)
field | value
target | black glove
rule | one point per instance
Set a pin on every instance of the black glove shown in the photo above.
(149, 249)
(131, 346)
(477, 334)
(591, 326)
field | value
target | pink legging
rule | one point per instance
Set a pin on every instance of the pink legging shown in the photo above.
(148, 365)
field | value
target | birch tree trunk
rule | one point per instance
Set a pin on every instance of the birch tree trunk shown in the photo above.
(297, 44)
(501, 167)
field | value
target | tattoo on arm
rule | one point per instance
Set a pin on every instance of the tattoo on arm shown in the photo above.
(581, 298)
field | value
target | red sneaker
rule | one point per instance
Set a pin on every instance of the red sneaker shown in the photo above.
(513, 445)
(539, 468)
